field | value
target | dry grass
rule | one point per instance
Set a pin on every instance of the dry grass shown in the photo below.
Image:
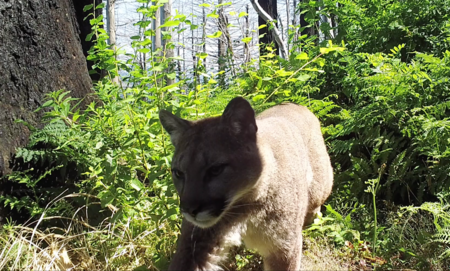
(80, 246)
(25, 248)
(138, 242)
(318, 255)
(28, 249)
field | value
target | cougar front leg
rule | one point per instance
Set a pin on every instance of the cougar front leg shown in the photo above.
(285, 259)
(198, 249)
(310, 216)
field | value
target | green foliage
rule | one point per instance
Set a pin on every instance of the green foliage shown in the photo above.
(339, 228)
(397, 115)
(394, 100)
(384, 109)
(440, 212)
(381, 25)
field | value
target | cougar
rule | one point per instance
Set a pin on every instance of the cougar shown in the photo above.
(259, 180)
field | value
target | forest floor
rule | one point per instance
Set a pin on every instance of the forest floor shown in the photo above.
(318, 255)
(31, 249)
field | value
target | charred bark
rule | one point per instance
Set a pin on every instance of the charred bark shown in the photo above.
(266, 37)
(40, 52)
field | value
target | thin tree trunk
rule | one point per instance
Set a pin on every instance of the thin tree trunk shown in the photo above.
(184, 47)
(282, 28)
(274, 32)
(111, 22)
(266, 37)
(221, 45)
(334, 22)
(193, 51)
(294, 18)
(247, 34)
(111, 25)
(157, 29)
(288, 10)
(204, 39)
(294, 22)
(169, 51)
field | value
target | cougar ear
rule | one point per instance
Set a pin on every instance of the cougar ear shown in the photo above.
(239, 116)
(174, 125)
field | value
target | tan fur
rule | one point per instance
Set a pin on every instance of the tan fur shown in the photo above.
(240, 178)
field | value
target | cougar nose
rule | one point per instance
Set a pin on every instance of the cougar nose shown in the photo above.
(192, 209)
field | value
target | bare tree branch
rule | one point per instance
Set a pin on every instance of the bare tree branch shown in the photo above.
(275, 31)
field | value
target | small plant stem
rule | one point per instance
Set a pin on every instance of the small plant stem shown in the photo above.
(375, 218)
(375, 186)
(137, 129)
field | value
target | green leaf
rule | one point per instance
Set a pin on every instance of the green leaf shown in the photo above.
(87, 7)
(242, 14)
(170, 24)
(172, 76)
(247, 39)
(259, 85)
(259, 97)
(136, 184)
(102, 5)
(149, 32)
(89, 36)
(212, 15)
(158, 68)
(302, 55)
(215, 35)
(48, 103)
(106, 197)
(146, 42)
(144, 50)
(283, 73)
(98, 145)
(171, 213)
(303, 77)
(324, 50)
(202, 55)
(225, 4)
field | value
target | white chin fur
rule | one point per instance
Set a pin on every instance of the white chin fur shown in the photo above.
(202, 220)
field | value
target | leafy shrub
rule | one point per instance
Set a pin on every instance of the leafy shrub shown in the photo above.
(397, 116)
(381, 25)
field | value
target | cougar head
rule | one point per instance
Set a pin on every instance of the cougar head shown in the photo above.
(216, 161)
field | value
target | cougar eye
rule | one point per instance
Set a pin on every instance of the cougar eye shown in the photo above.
(177, 173)
(216, 170)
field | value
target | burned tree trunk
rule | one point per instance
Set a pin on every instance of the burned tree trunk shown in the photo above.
(40, 52)
(266, 37)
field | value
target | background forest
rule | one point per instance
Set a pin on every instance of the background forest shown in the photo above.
(92, 189)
